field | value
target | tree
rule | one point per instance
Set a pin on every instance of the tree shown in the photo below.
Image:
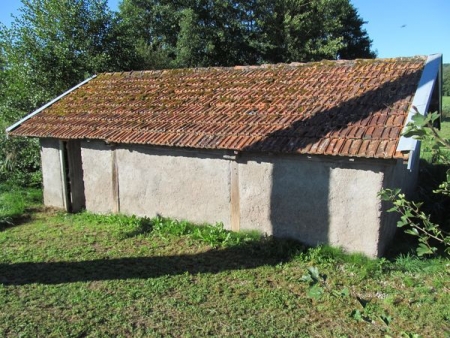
(189, 44)
(147, 29)
(356, 43)
(191, 33)
(182, 33)
(302, 30)
(59, 42)
(51, 46)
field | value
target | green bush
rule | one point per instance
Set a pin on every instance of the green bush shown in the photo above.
(413, 219)
(19, 160)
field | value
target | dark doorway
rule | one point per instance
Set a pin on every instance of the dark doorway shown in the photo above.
(73, 170)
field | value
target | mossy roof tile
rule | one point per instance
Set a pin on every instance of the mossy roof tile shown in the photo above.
(348, 108)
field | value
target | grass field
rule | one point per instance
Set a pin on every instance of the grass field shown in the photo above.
(83, 275)
(94, 276)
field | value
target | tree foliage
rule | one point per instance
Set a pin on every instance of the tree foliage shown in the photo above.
(50, 46)
(54, 44)
(188, 33)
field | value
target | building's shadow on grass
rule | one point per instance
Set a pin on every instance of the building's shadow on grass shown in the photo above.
(248, 256)
(13, 220)
(18, 205)
(22, 218)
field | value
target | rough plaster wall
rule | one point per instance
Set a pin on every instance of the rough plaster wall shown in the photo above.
(312, 201)
(51, 173)
(97, 161)
(396, 176)
(286, 198)
(255, 186)
(355, 209)
(174, 183)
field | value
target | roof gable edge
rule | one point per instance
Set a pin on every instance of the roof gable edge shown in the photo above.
(422, 98)
(48, 104)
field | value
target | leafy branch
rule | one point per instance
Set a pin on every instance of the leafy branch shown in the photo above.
(417, 222)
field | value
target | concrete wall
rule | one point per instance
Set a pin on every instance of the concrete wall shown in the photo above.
(315, 200)
(51, 173)
(354, 208)
(174, 183)
(284, 197)
(98, 173)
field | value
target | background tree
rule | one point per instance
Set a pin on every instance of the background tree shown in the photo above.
(183, 33)
(51, 46)
(58, 43)
(189, 33)
(446, 80)
(54, 44)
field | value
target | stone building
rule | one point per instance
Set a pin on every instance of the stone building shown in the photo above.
(298, 150)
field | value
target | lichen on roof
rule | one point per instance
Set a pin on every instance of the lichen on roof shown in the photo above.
(347, 108)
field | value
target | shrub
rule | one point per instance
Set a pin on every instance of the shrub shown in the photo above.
(415, 221)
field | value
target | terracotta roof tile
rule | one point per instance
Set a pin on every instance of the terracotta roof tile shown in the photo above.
(381, 150)
(372, 148)
(345, 150)
(363, 149)
(354, 148)
(331, 147)
(348, 108)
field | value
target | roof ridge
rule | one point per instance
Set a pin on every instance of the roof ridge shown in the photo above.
(294, 64)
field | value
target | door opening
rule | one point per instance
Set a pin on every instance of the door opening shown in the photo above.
(72, 172)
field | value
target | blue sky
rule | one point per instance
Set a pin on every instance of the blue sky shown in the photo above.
(397, 27)
(407, 27)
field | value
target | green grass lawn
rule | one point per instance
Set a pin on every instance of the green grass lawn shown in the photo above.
(446, 106)
(95, 276)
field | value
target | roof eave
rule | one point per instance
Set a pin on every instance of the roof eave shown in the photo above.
(420, 103)
(37, 111)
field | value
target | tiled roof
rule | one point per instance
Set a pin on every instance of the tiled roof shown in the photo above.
(348, 108)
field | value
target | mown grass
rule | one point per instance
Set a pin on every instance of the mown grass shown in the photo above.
(445, 127)
(87, 275)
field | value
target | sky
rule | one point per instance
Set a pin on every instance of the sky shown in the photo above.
(397, 27)
(407, 27)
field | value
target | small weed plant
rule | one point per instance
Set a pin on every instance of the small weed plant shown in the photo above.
(133, 226)
(416, 222)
